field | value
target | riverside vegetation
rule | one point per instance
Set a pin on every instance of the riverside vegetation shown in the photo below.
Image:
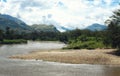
(76, 39)
(15, 41)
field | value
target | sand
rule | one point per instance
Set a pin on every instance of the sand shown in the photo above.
(83, 56)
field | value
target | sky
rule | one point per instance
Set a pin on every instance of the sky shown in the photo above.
(66, 13)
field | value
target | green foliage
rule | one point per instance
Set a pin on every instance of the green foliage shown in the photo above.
(113, 36)
(13, 23)
(84, 42)
(63, 37)
(18, 41)
(45, 28)
(11, 34)
(1, 35)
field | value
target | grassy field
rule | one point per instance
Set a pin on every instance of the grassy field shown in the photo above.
(98, 56)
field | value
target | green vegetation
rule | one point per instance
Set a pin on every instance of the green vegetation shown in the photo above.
(85, 39)
(18, 41)
(13, 23)
(113, 31)
(11, 34)
(109, 38)
(45, 28)
(76, 39)
(86, 43)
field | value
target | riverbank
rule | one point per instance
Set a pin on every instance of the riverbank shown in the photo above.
(14, 41)
(98, 56)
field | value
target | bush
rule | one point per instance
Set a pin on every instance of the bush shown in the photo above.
(85, 43)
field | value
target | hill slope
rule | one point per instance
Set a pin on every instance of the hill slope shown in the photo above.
(45, 28)
(96, 27)
(13, 23)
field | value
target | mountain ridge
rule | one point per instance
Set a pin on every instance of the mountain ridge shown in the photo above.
(44, 27)
(13, 23)
(96, 27)
(17, 24)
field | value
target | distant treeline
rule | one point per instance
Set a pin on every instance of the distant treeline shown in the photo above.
(76, 39)
(33, 35)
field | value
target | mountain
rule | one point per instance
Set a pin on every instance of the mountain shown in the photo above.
(63, 29)
(13, 23)
(17, 24)
(44, 27)
(96, 27)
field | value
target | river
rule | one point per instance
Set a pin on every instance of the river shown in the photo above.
(16, 67)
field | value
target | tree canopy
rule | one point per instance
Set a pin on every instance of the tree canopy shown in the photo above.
(114, 29)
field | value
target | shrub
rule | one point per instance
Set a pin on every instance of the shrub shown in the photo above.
(87, 43)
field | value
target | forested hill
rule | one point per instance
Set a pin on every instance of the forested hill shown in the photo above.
(96, 27)
(13, 23)
(18, 25)
(44, 28)
(12, 28)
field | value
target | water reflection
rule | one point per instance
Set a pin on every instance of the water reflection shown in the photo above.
(11, 49)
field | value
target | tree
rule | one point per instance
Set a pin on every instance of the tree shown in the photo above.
(1, 35)
(7, 33)
(114, 29)
(75, 33)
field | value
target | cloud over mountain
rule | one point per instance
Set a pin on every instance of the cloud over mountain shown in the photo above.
(67, 13)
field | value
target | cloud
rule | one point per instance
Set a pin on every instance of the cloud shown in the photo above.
(67, 13)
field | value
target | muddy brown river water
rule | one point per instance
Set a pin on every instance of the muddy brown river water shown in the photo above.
(16, 67)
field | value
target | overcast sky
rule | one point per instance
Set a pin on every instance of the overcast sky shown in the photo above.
(67, 13)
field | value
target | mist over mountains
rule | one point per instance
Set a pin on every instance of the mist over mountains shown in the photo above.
(16, 24)
(19, 25)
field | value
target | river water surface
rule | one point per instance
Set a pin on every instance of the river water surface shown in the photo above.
(16, 67)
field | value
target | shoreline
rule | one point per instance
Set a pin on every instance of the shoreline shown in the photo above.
(83, 56)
